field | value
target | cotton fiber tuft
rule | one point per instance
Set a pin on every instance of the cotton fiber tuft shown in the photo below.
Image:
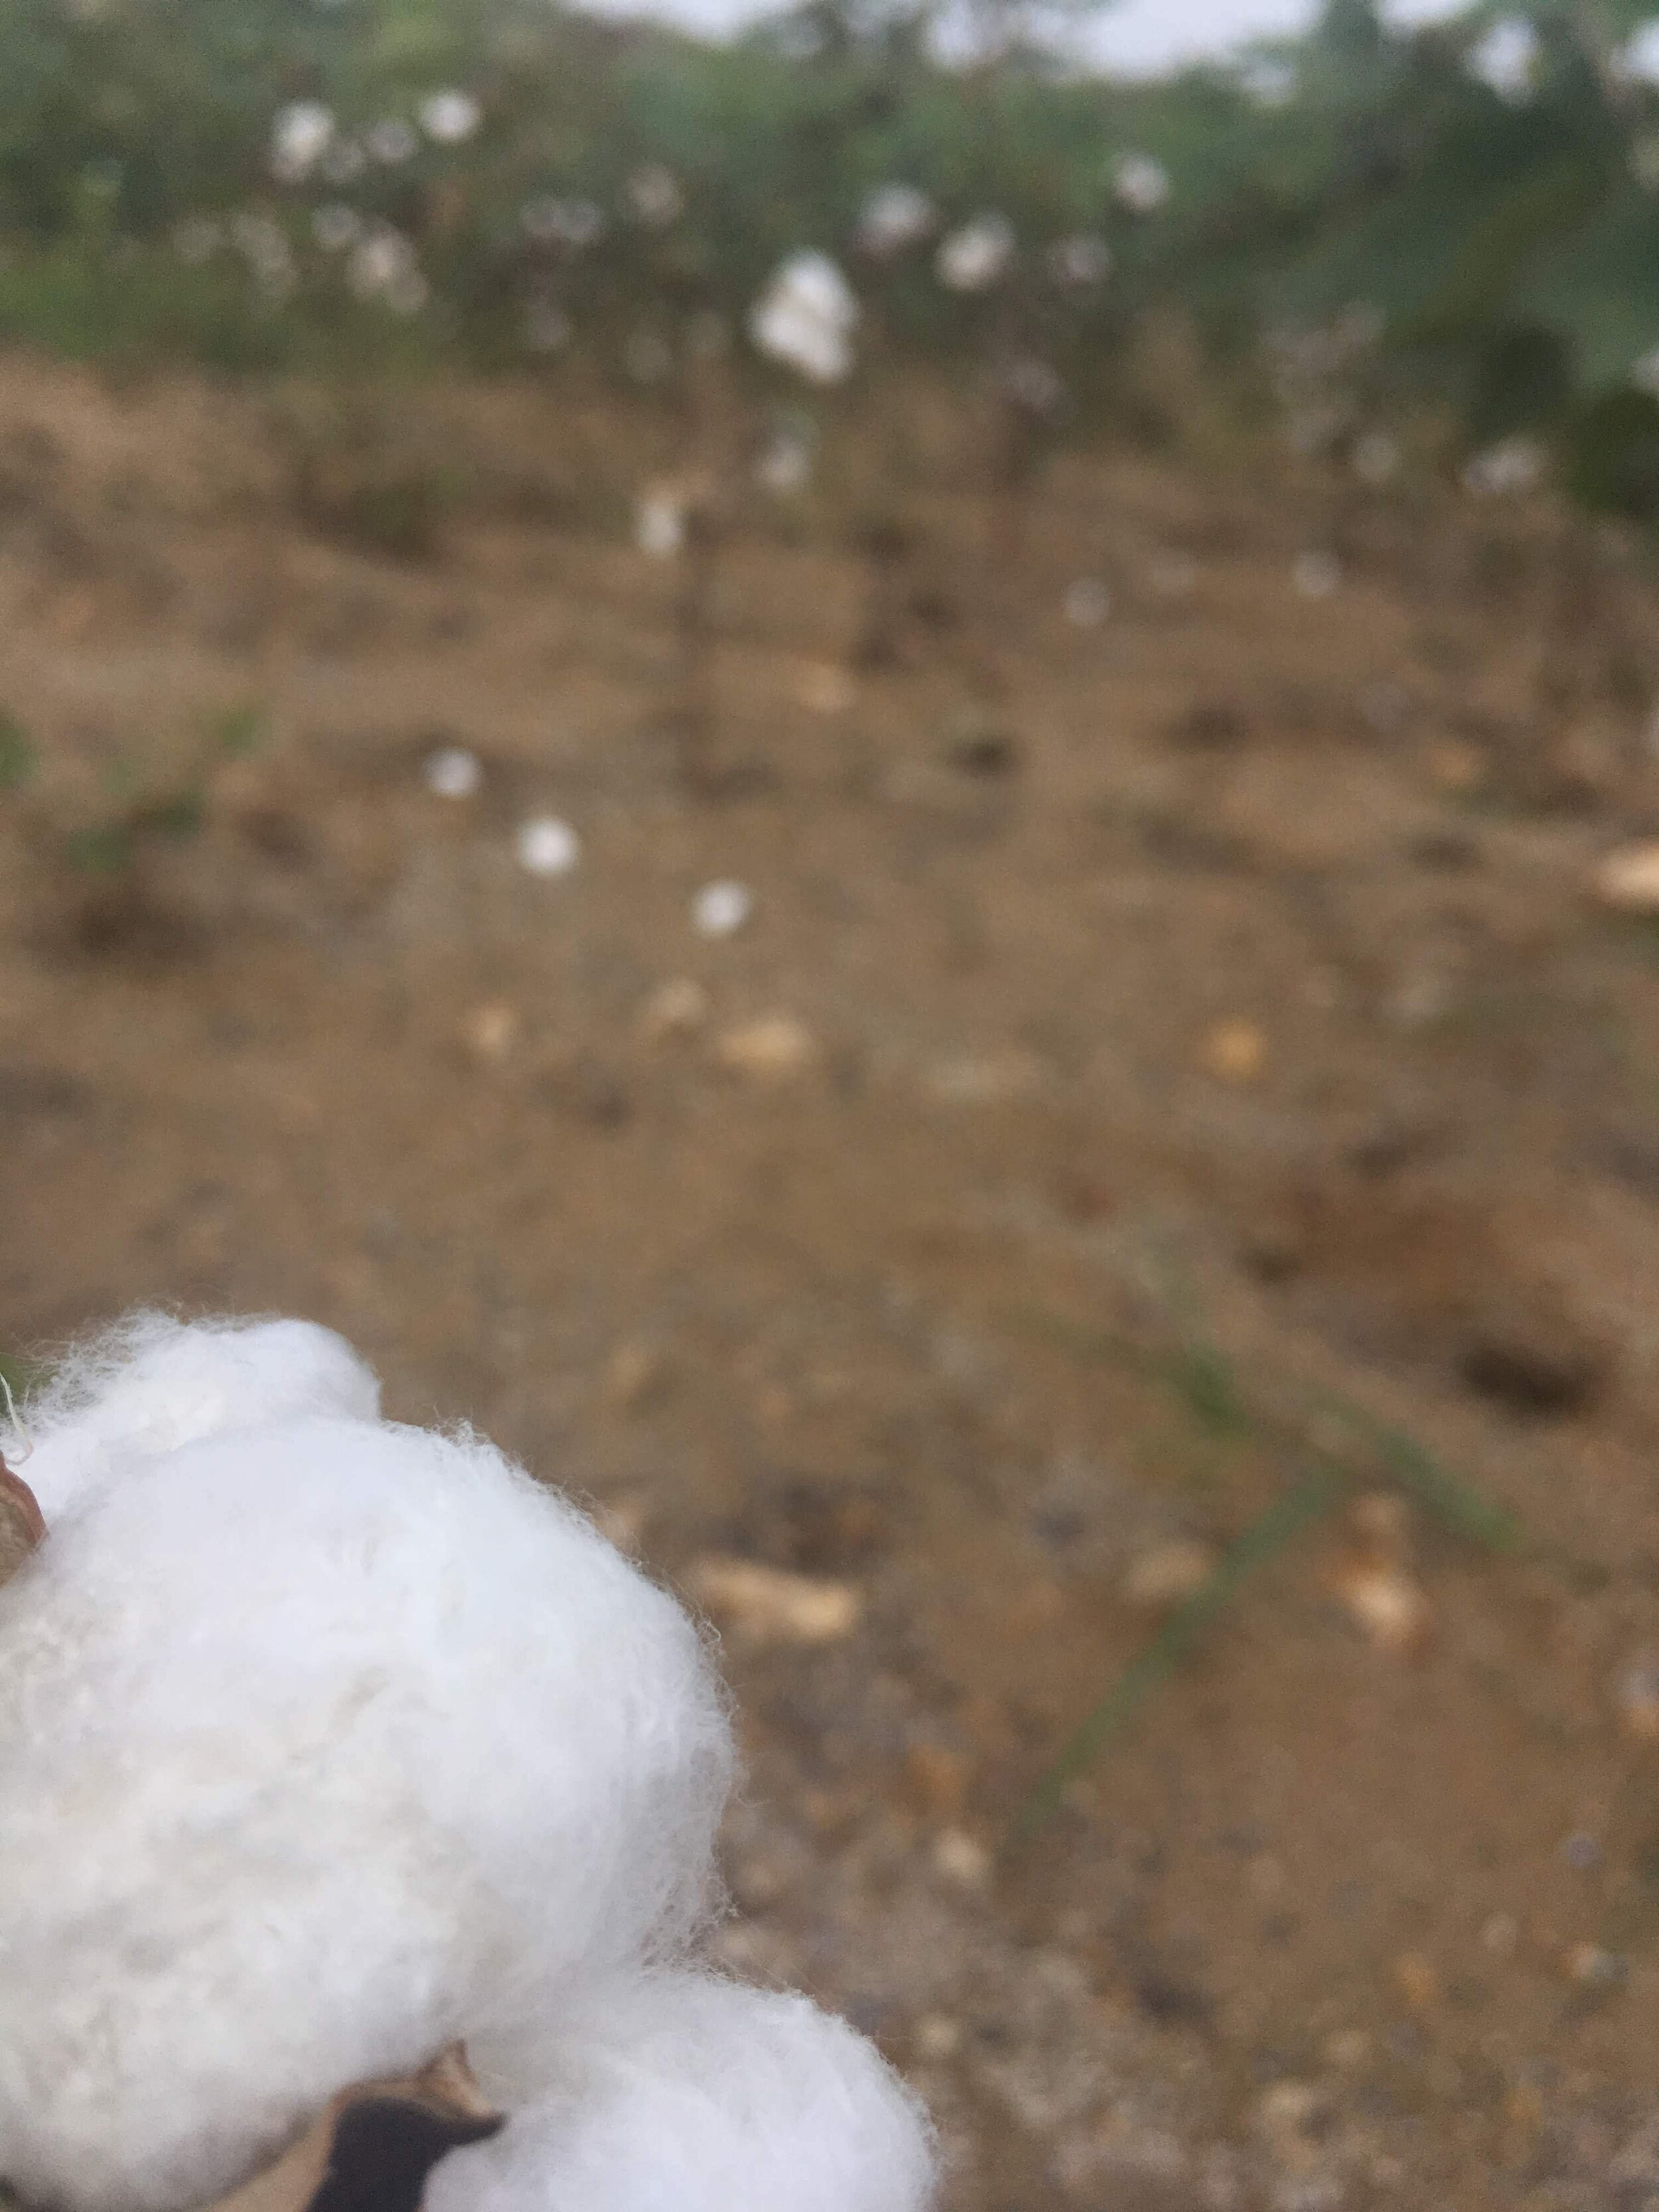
(323, 1742)
(682, 2093)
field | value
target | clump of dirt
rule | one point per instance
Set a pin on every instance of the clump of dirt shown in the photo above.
(1155, 1047)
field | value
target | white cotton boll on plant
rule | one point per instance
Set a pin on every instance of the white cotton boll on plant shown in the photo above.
(894, 216)
(450, 118)
(300, 136)
(805, 317)
(686, 2092)
(323, 1740)
(977, 256)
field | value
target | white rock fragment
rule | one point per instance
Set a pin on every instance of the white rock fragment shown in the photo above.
(1087, 603)
(1169, 1573)
(771, 1049)
(676, 1008)
(1317, 575)
(545, 846)
(659, 522)
(454, 772)
(1627, 878)
(721, 908)
(765, 1605)
(962, 1859)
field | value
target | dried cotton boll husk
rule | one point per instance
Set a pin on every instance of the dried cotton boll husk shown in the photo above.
(22, 1529)
(374, 1737)
(681, 2093)
(377, 2143)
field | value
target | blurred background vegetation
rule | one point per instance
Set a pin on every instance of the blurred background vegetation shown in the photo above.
(1379, 236)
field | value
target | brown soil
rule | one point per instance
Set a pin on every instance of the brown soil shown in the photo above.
(1223, 976)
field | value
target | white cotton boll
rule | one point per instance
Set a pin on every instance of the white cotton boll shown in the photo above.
(569, 222)
(299, 137)
(1506, 60)
(894, 216)
(142, 1389)
(1140, 183)
(1512, 466)
(334, 226)
(321, 1743)
(450, 118)
(655, 195)
(805, 317)
(1080, 262)
(1637, 59)
(977, 256)
(683, 2091)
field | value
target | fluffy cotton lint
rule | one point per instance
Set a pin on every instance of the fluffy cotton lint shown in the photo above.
(151, 1385)
(323, 1740)
(681, 2093)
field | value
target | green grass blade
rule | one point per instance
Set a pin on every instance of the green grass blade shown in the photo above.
(1300, 1507)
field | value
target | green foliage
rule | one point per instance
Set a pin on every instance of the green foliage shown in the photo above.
(1503, 240)
(17, 757)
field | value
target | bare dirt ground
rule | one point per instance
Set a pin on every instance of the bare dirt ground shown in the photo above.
(1123, 1090)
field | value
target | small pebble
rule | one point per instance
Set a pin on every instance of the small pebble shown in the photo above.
(620, 1521)
(985, 1080)
(963, 1859)
(452, 772)
(1087, 603)
(825, 689)
(1174, 575)
(1500, 1936)
(764, 1605)
(938, 2037)
(1416, 1980)
(1595, 1968)
(720, 909)
(1457, 766)
(547, 847)
(769, 1050)
(1582, 1853)
(678, 1008)
(637, 1372)
(1317, 575)
(1284, 2111)
(1388, 1605)
(1169, 1573)
(1627, 878)
(938, 1777)
(1234, 1052)
(1636, 1694)
(491, 1031)
(1348, 2049)
(659, 524)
